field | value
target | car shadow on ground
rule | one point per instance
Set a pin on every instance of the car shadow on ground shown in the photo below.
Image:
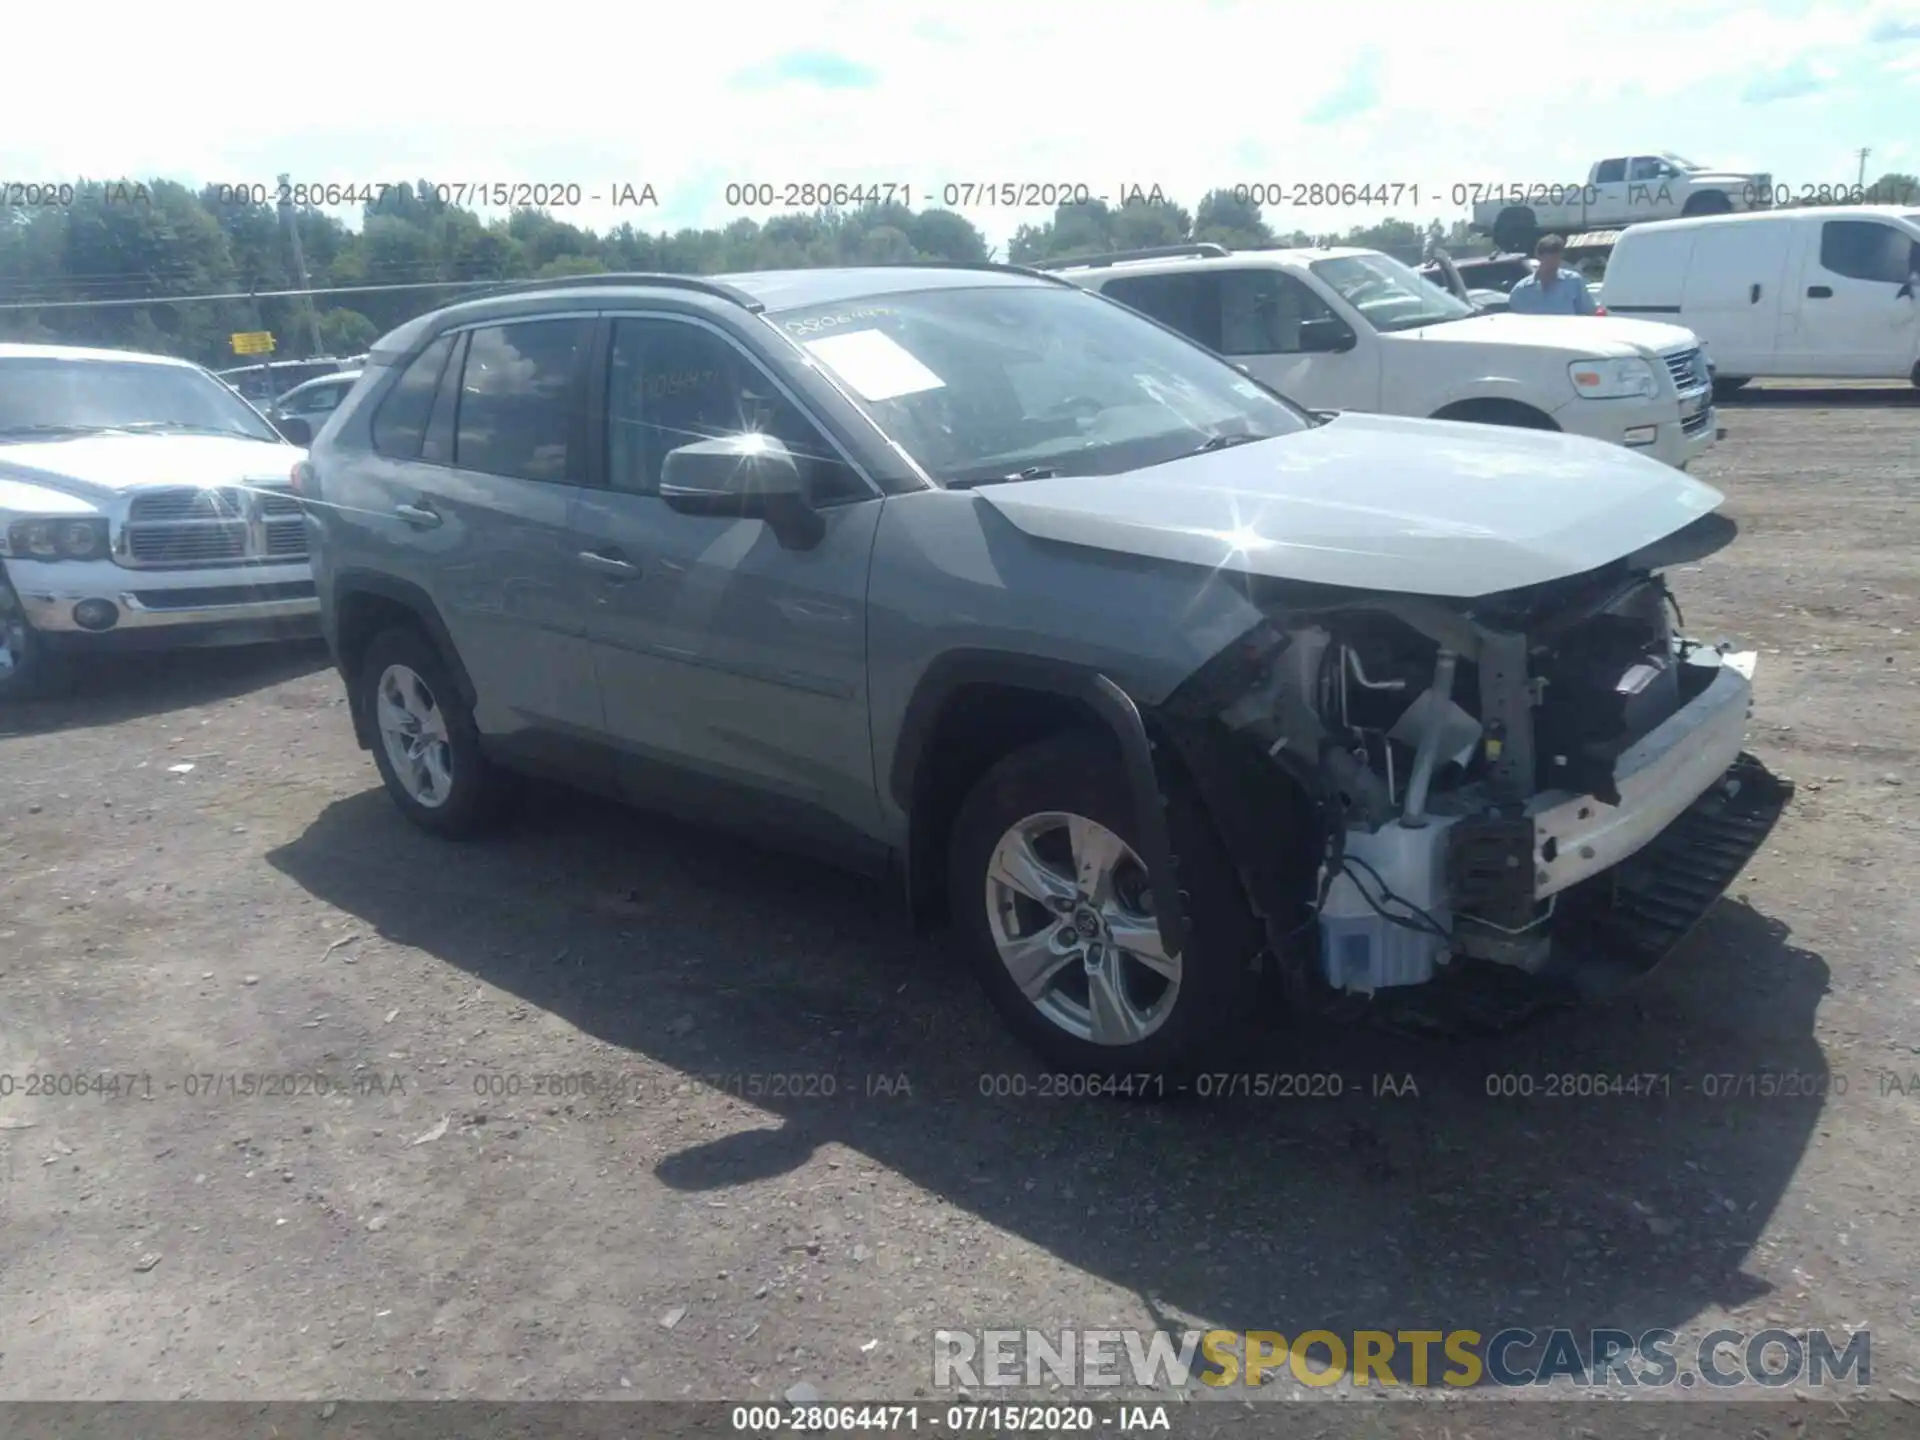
(1490, 1197)
(1814, 396)
(111, 689)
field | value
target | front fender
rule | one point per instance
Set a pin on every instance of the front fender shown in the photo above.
(1116, 710)
(1489, 387)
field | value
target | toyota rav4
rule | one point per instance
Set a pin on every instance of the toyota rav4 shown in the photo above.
(1163, 691)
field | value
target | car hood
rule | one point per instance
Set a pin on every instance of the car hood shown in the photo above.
(1578, 336)
(1374, 502)
(95, 468)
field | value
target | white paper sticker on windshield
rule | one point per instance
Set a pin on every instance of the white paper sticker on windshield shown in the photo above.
(874, 364)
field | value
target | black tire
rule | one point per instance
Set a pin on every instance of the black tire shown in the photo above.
(28, 669)
(480, 793)
(1515, 231)
(1725, 385)
(1707, 202)
(1210, 1021)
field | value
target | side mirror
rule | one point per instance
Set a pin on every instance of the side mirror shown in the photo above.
(743, 477)
(295, 430)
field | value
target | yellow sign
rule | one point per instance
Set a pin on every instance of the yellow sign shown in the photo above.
(253, 342)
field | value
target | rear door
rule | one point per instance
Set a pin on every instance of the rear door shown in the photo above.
(1734, 275)
(1605, 195)
(489, 519)
(1854, 319)
(733, 668)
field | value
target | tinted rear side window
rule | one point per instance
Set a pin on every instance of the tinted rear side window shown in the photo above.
(400, 423)
(518, 399)
(1189, 302)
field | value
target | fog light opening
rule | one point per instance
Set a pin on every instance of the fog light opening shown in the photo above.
(1643, 434)
(96, 614)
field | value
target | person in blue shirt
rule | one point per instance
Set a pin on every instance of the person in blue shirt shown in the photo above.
(1551, 290)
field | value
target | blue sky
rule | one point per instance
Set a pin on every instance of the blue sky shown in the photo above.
(1185, 96)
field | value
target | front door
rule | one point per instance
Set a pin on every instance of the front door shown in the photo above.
(721, 653)
(1854, 320)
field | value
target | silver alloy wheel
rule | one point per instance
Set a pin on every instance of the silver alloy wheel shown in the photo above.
(414, 731)
(1071, 913)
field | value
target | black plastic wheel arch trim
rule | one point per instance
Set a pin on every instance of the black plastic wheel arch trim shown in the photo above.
(959, 669)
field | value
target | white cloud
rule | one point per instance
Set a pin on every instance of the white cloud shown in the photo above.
(1180, 95)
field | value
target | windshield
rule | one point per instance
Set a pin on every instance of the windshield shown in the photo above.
(1389, 295)
(987, 383)
(1679, 160)
(47, 396)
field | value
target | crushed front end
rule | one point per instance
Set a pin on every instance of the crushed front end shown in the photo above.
(1543, 787)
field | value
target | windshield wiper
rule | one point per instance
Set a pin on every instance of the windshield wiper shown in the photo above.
(49, 429)
(1226, 442)
(178, 427)
(1032, 472)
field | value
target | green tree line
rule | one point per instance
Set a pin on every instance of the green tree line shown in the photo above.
(128, 239)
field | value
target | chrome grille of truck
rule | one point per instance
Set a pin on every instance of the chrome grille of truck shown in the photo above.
(1688, 369)
(185, 527)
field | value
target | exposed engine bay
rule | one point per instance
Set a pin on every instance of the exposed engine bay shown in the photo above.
(1478, 772)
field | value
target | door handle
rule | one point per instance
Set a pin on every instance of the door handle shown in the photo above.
(611, 566)
(1753, 295)
(1819, 292)
(422, 515)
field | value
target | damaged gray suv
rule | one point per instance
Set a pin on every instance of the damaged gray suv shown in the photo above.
(1164, 693)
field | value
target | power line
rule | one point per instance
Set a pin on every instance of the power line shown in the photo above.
(246, 295)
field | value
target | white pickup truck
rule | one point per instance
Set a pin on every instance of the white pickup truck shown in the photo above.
(1619, 191)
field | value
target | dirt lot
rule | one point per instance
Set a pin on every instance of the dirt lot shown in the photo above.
(433, 1227)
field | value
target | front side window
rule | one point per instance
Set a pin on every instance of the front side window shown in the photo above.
(1868, 250)
(400, 423)
(1390, 296)
(54, 396)
(671, 384)
(517, 399)
(988, 382)
(1268, 312)
(1648, 167)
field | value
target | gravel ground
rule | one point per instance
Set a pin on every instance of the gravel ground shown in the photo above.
(785, 1169)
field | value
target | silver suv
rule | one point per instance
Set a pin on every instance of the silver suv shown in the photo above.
(1157, 687)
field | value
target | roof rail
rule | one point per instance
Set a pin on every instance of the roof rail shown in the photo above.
(634, 277)
(1157, 252)
(1001, 266)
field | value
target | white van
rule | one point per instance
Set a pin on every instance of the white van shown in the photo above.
(1353, 329)
(1820, 293)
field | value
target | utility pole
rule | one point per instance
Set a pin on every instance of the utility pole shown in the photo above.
(1864, 152)
(300, 262)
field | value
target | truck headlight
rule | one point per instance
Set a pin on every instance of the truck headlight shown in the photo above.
(1613, 379)
(84, 539)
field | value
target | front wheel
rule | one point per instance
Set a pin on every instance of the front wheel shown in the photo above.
(1707, 202)
(28, 670)
(424, 738)
(1054, 907)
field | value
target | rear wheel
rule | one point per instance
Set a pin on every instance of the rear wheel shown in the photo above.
(1054, 906)
(424, 738)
